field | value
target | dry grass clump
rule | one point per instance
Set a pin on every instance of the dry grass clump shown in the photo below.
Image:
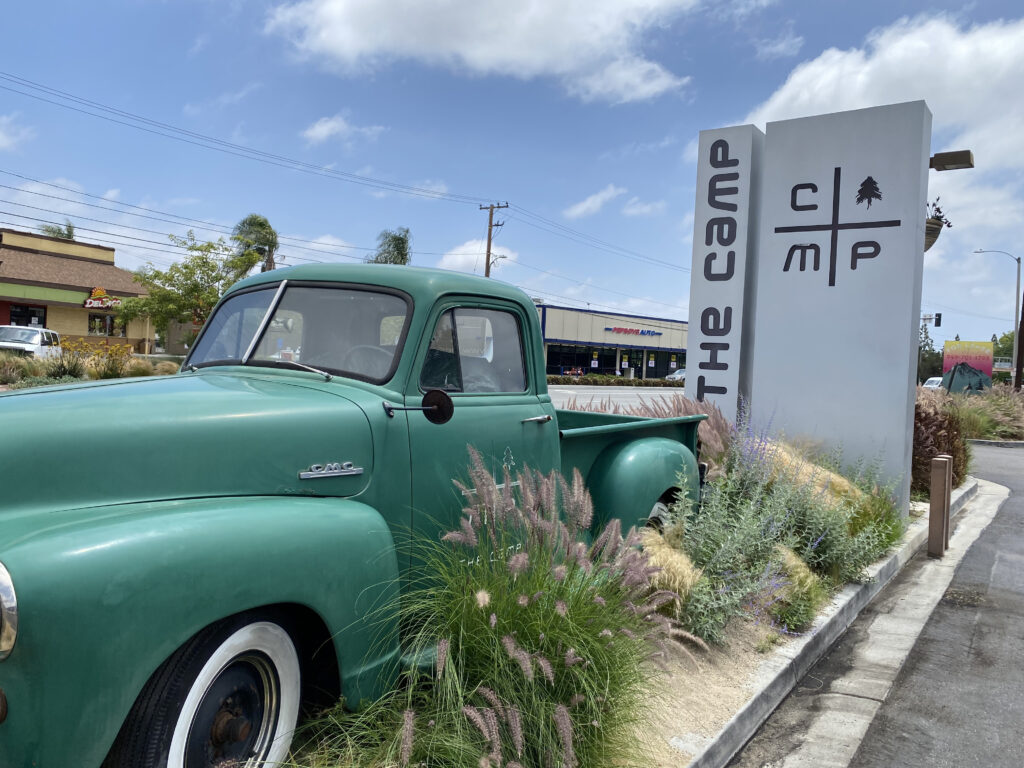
(665, 551)
(139, 367)
(786, 460)
(938, 429)
(166, 368)
(715, 432)
(997, 414)
(15, 367)
(803, 593)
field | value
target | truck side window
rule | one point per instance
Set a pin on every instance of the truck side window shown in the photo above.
(490, 350)
(441, 366)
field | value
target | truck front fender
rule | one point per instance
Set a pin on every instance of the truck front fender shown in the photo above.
(627, 479)
(105, 598)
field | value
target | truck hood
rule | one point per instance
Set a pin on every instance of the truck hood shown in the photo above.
(176, 437)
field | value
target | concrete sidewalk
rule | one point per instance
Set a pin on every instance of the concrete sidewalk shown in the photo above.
(779, 674)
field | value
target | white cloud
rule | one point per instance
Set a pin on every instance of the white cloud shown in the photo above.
(338, 127)
(227, 99)
(430, 185)
(784, 46)
(198, 45)
(635, 207)
(112, 194)
(594, 203)
(636, 148)
(690, 151)
(594, 48)
(12, 133)
(470, 257)
(971, 79)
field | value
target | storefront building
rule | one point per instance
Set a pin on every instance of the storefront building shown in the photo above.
(578, 341)
(69, 287)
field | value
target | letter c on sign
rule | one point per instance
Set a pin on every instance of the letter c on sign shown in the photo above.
(806, 206)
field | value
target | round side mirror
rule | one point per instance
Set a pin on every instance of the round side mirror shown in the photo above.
(438, 406)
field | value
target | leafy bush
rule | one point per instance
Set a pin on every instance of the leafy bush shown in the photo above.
(762, 502)
(109, 361)
(70, 360)
(802, 596)
(44, 381)
(938, 429)
(543, 643)
(601, 380)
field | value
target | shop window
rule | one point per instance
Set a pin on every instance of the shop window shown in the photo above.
(105, 325)
(25, 315)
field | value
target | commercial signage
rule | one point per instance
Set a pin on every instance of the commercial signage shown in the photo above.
(724, 258)
(839, 264)
(100, 299)
(633, 331)
(977, 354)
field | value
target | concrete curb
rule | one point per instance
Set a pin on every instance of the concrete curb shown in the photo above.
(779, 674)
(999, 443)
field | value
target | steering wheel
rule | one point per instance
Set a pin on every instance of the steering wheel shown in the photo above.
(367, 360)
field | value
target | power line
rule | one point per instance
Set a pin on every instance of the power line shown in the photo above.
(131, 120)
(203, 224)
(102, 111)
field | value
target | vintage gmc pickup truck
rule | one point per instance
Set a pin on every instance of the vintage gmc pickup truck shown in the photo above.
(198, 559)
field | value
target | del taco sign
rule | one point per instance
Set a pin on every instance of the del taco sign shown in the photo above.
(100, 299)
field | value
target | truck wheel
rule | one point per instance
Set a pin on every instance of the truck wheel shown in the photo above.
(229, 696)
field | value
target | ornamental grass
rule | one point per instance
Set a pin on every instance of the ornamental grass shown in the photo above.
(546, 646)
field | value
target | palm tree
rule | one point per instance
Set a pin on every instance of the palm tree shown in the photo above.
(392, 247)
(254, 233)
(66, 232)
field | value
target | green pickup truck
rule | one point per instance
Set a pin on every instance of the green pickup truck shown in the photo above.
(188, 562)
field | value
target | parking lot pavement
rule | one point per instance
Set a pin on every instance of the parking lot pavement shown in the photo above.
(625, 396)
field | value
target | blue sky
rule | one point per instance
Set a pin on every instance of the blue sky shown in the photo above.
(583, 114)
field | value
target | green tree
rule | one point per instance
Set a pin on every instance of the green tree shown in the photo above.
(1003, 345)
(254, 234)
(65, 232)
(188, 290)
(929, 359)
(392, 247)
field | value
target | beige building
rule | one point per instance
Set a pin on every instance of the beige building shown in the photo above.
(591, 341)
(69, 287)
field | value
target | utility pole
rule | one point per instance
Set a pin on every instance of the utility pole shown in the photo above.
(490, 229)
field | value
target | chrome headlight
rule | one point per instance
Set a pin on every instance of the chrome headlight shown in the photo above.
(8, 614)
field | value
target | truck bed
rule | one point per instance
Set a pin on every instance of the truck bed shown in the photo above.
(585, 434)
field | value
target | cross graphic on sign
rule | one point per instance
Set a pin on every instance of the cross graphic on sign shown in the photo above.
(863, 249)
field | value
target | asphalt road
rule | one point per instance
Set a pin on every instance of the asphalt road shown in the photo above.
(958, 699)
(560, 395)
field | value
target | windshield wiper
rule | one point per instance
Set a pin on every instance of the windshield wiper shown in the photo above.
(302, 366)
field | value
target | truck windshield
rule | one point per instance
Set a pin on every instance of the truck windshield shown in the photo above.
(347, 331)
(19, 335)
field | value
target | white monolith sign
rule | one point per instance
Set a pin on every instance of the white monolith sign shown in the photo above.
(719, 348)
(840, 255)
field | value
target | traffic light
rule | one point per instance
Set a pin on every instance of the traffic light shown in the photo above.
(938, 319)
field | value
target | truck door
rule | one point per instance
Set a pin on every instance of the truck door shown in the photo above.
(477, 353)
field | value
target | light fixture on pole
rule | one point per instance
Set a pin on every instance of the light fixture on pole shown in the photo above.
(1015, 375)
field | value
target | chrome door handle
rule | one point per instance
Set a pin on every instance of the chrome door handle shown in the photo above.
(538, 419)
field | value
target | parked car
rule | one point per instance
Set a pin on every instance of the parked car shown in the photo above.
(27, 340)
(679, 374)
(182, 618)
(935, 382)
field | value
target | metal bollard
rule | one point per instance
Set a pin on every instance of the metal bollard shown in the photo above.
(938, 513)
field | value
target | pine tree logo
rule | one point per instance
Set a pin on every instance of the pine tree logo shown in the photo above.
(868, 191)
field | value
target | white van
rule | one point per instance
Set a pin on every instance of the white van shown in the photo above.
(28, 340)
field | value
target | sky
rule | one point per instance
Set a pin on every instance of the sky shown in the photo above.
(337, 119)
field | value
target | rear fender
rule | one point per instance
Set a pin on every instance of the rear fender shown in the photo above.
(629, 478)
(105, 599)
